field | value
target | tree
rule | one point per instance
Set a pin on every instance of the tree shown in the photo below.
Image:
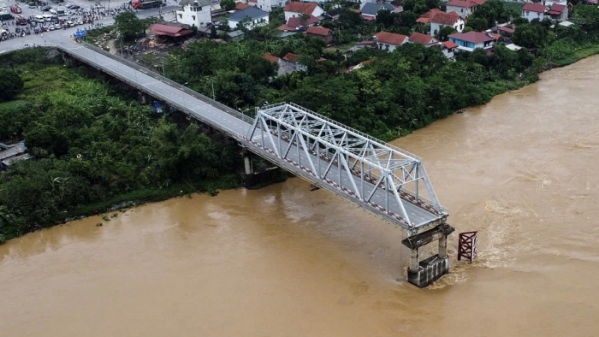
(260, 69)
(10, 84)
(444, 32)
(129, 26)
(529, 35)
(227, 4)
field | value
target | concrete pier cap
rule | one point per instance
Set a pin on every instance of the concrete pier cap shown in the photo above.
(424, 273)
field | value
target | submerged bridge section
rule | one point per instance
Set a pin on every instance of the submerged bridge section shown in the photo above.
(376, 176)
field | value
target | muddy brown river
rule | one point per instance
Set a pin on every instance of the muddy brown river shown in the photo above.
(284, 261)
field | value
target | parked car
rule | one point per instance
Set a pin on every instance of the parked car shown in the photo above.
(32, 5)
(21, 21)
(46, 8)
(39, 18)
(47, 17)
(16, 9)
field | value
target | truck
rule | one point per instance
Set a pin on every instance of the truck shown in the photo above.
(145, 4)
(5, 16)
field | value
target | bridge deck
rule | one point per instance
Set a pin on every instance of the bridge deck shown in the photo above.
(230, 122)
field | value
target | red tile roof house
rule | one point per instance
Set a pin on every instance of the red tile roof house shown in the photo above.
(448, 49)
(532, 11)
(426, 17)
(289, 64)
(277, 60)
(389, 41)
(451, 19)
(297, 23)
(423, 39)
(298, 9)
(472, 40)
(558, 12)
(463, 7)
(321, 33)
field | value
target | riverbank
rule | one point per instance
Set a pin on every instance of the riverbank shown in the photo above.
(94, 147)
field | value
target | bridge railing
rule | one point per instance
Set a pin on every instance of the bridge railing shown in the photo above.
(172, 83)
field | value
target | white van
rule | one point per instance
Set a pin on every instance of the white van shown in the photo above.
(39, 18)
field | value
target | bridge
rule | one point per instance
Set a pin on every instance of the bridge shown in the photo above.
(379, 177)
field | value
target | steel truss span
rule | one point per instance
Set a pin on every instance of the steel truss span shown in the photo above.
(380, 177)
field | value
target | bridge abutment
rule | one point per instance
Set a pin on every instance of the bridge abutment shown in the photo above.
(424, 273)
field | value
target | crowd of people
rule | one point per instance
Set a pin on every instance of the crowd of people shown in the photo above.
(76, 17)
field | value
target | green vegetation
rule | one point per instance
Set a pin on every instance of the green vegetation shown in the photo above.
(10, 84)
(93, 148)
(130, 27)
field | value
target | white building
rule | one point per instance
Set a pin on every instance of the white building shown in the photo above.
(269, 5)
(389, 41)
(251, 17)
(298, 9)
(451, 19)
(532, 11)
(195, 13)
(473, 40)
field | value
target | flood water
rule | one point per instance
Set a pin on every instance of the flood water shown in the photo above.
(284, 261)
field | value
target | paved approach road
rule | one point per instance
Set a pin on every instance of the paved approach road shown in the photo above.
(220, 117)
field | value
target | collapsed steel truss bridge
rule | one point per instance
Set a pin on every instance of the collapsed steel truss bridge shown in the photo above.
(380, 177)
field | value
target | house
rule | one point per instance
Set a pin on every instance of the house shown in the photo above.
(370, 9)
(473, 40)
(558, 12)
(251, 17)
(170, 29)
(506, 31)
(296, 23)
(463, 7)
(426, 17)
(423, 39)
(451, 19)
(448, 49)
(269, 5)
(298, 9)
(241, 5)
(390, 41)
(195, 13)
(289, 64)
(321, 33)
(532, 11)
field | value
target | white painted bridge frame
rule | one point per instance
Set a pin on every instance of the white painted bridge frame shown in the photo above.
(364, 164)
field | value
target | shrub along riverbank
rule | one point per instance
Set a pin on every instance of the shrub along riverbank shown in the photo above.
(93, 148)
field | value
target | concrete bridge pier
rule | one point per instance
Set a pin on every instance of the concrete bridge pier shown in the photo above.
(425, 272)
(247, 163)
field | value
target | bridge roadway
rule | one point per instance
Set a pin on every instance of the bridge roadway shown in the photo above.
(233, 124)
